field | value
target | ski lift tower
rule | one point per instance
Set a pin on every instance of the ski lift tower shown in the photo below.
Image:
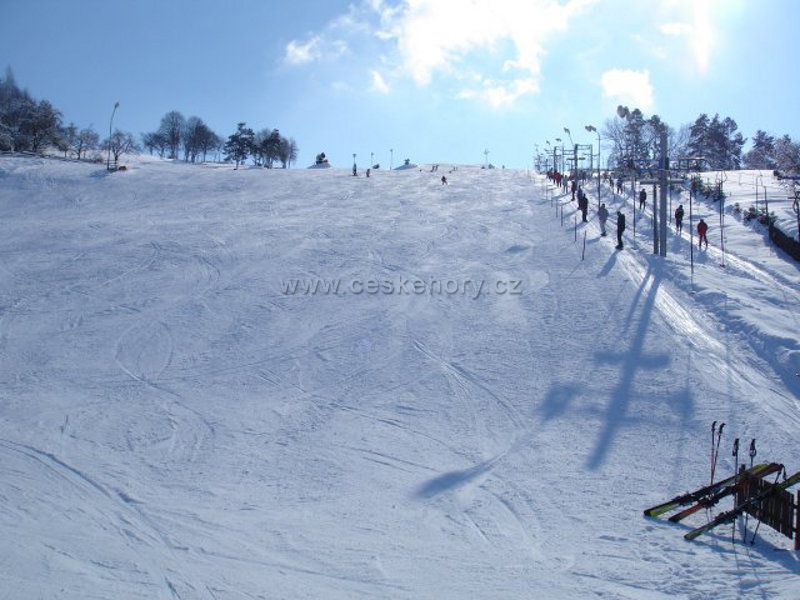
(486, 158)
(663, 180)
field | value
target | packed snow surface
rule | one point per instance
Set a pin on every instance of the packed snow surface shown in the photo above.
(178, 421)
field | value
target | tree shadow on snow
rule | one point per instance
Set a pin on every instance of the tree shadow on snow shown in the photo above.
(452, 480)
(557, 400)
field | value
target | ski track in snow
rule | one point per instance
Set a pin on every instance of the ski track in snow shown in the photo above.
(173, 425)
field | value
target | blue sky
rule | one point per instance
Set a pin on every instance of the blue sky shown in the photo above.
(437, 80)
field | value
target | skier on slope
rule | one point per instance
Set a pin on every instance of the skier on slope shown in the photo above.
(602, 216)
(642, 199)
(702, 230)
(679, 219)
(620, 228)
(444, 180)
(574, 188)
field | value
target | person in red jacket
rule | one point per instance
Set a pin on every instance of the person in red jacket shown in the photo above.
(702, 230)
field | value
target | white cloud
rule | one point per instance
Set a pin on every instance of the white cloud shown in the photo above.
(379, 83)
(501, 95)
(628, 87)
(700, 32)
(316, 48)
(436, 36)
(301, 53)
(487, 50)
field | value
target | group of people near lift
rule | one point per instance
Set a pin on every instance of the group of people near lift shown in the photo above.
(568, 183)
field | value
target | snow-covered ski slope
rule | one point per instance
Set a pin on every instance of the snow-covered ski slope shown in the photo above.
(174, 425)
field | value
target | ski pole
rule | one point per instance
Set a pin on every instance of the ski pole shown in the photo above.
(736, 481)
(752, 453)
(716, 452)
(711, 461)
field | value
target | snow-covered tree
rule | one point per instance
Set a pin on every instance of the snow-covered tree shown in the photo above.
(41, 126)
(787, 155)
(717, 140)
(762, 154)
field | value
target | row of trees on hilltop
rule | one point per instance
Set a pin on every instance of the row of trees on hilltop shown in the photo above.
(768, 152)
(633, 140)
(30, 125)
(194, 139)
(177, 134)
(718, 141)
(265, 147)
(25, 123)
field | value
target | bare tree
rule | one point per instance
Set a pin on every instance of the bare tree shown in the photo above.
(120, 143)
(172, 127)
(69, 137)
(198, 138)
(679, 142)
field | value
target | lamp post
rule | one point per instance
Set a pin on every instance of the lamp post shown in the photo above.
(566, 130)
(391, 158)
(574, 152)
(562, 154)
(591, 128)
(355, 169)
(110, 125)
(371, 159)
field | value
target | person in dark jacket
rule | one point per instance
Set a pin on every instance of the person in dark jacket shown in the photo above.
(444, 180)
(679, 219)
(642, 199)
(574, 188)
(583, 204)
(620, 228)
(702, 230)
